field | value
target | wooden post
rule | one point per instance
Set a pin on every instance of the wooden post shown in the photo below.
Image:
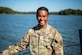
(80, 35)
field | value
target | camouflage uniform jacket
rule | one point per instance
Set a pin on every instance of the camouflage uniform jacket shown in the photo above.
(42, 41)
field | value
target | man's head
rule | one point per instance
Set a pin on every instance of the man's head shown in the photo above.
(42, 16)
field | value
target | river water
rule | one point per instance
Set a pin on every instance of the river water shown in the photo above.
(13, 28)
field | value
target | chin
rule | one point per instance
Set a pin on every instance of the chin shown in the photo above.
(41, 24)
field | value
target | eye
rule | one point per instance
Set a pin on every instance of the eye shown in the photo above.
(43, 16)
(39, 15)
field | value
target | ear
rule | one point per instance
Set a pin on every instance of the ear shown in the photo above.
(47, 17)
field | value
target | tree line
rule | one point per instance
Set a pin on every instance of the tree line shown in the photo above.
(6, 10)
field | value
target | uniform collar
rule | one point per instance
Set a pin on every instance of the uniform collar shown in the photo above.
(43, 30)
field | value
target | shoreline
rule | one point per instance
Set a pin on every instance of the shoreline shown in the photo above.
(35, 14)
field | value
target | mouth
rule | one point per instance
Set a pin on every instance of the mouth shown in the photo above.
(41, 22)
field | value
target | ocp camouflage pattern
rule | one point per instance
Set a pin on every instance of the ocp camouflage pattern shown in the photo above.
(42, 41)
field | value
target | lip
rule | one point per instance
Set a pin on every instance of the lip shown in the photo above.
(41, 21)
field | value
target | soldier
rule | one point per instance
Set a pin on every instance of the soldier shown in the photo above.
(43, 39)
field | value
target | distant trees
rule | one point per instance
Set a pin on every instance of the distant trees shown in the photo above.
(5, 10)
(70, 12)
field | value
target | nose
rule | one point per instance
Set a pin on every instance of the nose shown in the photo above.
(41, 18)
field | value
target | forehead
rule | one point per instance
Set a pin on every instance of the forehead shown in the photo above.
(42, 12)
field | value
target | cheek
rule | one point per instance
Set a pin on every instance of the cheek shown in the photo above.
(46, 18)
(38, 18)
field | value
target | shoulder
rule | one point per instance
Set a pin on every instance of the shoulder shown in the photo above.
(56, 33)
(51, 28)
(31, 30)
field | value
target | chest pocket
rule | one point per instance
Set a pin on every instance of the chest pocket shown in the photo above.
(47, 40)
(33, 39)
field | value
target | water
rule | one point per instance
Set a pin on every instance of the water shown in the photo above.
(13, 28)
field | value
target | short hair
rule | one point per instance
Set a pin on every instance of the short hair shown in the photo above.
(42, 8)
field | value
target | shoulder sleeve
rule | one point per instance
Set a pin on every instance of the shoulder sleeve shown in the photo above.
(17, 47)
(57, 43)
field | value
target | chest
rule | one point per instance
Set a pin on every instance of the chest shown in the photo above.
(39, 38)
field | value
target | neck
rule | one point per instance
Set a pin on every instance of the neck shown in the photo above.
(43, 26)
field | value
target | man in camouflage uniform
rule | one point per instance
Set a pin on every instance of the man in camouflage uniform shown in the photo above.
(43, 38)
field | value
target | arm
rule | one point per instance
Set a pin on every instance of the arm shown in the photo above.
(17, 47)
(57, 44)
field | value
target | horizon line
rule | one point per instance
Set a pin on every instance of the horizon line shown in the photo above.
(36, 9)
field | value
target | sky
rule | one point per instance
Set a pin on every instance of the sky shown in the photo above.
(33, 5)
